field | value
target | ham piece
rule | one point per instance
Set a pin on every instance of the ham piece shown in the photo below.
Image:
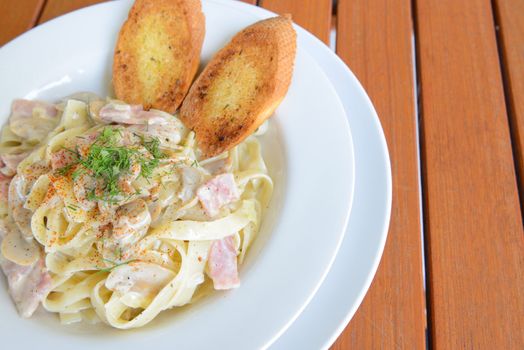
(222, 264)
(28, 285)
(130, 114)
(217, 192)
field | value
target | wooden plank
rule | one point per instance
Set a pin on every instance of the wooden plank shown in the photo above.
(17, 17)
(474, 233)
(509, 15)
(374, 38)
(55, 8)
(313, 15)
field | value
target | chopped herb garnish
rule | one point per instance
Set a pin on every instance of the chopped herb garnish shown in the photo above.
(115, 265)
(64, 170)
(72, 207)
(108, 136)
(153, 147)
(107, 161)
(195, 163)
(72, 151)
(147, 166)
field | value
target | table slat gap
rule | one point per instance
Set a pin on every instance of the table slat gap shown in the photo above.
(473, 224)
(40, 13)
(423, 196)
(333, 33)
(55, 8)
(375, 38)
(20, 17)
(313, 15)
(509, 22)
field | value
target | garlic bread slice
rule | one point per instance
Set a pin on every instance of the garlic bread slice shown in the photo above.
(158, 52)
(241, 86)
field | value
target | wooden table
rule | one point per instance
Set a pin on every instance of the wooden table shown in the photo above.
(447, 80)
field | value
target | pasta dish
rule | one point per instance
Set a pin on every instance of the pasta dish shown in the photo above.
(110, 212)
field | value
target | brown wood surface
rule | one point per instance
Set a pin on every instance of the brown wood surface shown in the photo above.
(509, 16)
(17, 17)
(55, 8)
(313, 15)
(474, 234)
(375, 39)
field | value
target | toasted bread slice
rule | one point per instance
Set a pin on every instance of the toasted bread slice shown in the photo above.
(158, 52)
(241, 86)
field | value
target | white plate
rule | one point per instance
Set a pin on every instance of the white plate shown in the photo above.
(309, 154)
(343, 290)
(356, 263)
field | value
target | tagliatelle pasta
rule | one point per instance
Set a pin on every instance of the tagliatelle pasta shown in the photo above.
(111, 214)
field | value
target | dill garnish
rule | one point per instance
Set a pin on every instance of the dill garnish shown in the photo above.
(65, 169)
(153, 147)
(115, 265)
(72, 207)
(107, 161)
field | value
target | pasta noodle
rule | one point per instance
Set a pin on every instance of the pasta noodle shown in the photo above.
(123, 215)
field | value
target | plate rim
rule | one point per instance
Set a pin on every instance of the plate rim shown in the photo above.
(320, 49)
(350, 200)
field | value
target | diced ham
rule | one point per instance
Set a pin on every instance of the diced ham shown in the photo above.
(24, 108)
(222, 264)
(61, 159)
(169, 133)
(23, 121)
(11, 161)
(28, 285)
(130, 114)
(217, 192)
